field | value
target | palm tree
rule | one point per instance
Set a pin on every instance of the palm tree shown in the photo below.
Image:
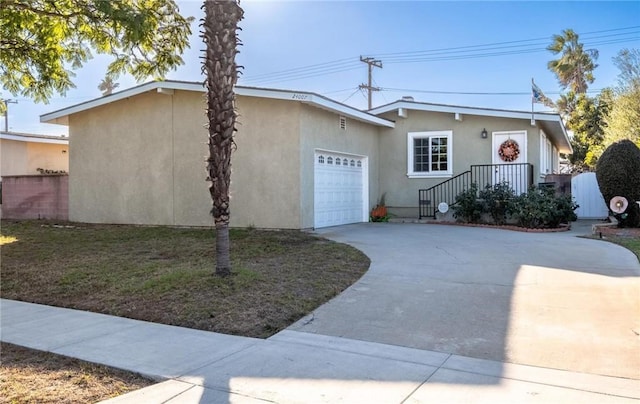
(219, 27)
(575, 66)
(107, 86)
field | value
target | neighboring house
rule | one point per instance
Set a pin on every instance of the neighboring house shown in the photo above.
(24, 192)
(302, 160)
(25, 153)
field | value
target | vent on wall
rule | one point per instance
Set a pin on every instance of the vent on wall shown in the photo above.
(343, 122)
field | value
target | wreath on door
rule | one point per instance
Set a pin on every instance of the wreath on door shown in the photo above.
(509, 151)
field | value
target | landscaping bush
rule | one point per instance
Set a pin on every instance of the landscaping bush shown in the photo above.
(541, 208)
(467, 207)
(497, 200)
(618, 174)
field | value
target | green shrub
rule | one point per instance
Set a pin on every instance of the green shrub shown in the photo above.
(497, 201)
(541, 208)
(618, 174)
(467, 207)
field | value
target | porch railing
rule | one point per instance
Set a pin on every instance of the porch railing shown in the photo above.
(519, 176)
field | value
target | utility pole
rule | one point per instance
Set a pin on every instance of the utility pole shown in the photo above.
(6, 113)
(371, 63)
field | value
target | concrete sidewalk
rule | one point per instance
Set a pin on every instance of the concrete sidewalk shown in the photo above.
(291, 367)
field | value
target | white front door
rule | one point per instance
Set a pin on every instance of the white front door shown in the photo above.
(510, 150)
(339, 189)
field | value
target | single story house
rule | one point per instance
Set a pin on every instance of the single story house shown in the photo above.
(302, 160)
(25, 153)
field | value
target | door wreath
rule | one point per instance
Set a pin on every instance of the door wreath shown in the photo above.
(509, 151)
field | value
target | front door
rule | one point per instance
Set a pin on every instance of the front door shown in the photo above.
(509, 153)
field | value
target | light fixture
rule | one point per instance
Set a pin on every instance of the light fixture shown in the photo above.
(484, 133)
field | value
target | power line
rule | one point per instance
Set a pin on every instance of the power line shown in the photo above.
(391, 89)
(601, 37)
(352, 94)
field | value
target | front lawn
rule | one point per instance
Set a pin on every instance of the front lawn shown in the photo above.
(165, 275)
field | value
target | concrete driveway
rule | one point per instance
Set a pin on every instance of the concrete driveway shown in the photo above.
(544, 299)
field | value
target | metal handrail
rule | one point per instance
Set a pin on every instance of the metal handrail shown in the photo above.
(519, 176)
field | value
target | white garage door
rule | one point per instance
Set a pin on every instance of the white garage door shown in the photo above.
(339, 189)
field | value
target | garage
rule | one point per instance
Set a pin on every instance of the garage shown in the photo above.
(340, 186)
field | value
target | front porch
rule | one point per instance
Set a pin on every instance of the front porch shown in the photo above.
(519, 176)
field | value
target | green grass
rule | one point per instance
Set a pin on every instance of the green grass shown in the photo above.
(165, 275)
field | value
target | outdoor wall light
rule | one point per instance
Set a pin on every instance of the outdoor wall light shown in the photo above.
(484, 133)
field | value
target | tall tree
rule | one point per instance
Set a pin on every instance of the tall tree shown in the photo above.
(107, 85)
(574, 68)
(40, 41)
(583, 115)
(624, 119)
(628, 62)
(587, 121)
(219, 31)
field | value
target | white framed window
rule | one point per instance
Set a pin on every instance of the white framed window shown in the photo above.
(429, 154)
(546, 155)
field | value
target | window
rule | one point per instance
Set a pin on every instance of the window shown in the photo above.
(338, 161)
(321, 159)
(352, 163)
(359, 164)
(429, 154)
(546, 155)
(329, 160)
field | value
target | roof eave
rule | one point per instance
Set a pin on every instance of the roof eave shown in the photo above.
(558, 131)
(62, 116)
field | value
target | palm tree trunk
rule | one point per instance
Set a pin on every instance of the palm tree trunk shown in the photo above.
(219, 29)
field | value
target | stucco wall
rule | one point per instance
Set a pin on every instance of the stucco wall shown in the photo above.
(468, 149)
(24, 158)
(265, 181)
(121, 162)
(142, 161)
(13, 156)
(321, 130)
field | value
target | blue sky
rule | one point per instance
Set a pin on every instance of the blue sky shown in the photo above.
(332, 35)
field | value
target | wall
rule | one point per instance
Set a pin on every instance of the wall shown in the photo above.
(320, 130)
(468, 149)
(265, 181)
(142, 161)
(13, 158)
(121, 162)
(35, 197)
(24, 158)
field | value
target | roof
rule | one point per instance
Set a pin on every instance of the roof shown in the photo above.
(34, 138)
(551, 123)
(62, 116)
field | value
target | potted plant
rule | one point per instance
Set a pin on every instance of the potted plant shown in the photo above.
(379, 213)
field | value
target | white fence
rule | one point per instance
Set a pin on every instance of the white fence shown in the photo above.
(584, 189)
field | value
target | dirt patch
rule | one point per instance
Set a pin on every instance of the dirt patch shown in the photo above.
(30, 376)
(612, 231)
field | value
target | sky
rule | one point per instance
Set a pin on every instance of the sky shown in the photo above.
(476, 53)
